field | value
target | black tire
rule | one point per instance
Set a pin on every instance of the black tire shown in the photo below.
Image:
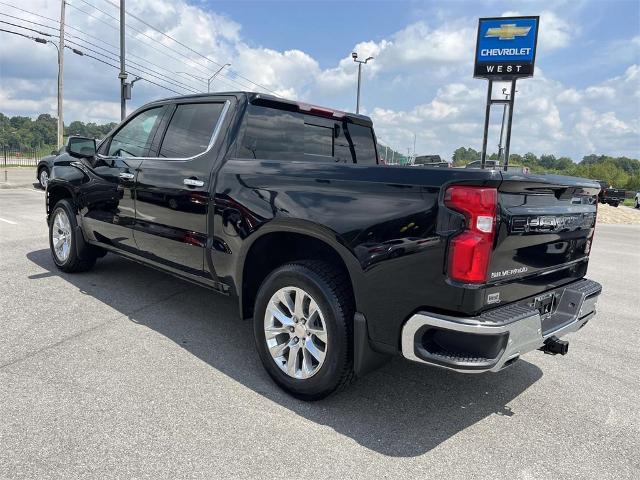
(72, 263)
(40, 179)
(615, 204)
(637, 205)
(331, 290)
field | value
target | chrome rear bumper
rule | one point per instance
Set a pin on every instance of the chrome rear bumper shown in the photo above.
(497, 338)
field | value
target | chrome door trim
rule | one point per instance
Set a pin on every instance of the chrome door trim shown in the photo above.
(212, 141)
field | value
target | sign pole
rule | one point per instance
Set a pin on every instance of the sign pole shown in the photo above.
(507, 146)
(483, 158)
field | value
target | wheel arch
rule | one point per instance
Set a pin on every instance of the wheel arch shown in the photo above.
(56, 191)
(287, 242)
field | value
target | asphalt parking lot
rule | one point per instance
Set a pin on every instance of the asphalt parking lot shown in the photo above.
(125, 372)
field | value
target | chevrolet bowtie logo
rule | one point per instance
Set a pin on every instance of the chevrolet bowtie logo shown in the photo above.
(507, 31)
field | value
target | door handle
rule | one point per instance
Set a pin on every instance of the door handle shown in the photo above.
(193, 182)
(126, 176)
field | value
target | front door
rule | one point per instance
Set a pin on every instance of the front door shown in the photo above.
(109, 199)
(172, 192)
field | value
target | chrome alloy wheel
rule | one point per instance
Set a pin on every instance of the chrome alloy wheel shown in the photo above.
(44, 178)
(295, 332)
(61, 235)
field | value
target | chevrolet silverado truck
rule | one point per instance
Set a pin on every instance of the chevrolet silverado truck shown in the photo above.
(339, 261)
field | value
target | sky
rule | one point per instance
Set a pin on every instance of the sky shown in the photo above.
(584, 97)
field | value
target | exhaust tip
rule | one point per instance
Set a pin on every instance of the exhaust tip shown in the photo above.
(554, 346)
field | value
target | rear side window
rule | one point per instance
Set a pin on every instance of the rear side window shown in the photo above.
(274, 134)
(318, 140)
(271, 134)
(190, 130)
(364, 145)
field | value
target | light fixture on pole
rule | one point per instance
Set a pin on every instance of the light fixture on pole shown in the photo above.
(354, 55)
(206, 80)
(60, 133)
(215, 75)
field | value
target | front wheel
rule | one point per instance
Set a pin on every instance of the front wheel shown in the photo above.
(63, 236)
(303, 327)
(43, 177)
(637, 204)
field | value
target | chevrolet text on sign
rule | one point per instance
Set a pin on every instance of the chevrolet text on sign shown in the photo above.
(506, 47)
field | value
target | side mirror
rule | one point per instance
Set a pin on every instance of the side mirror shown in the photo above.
(81, 147)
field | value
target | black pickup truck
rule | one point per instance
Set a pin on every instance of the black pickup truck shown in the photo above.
(340, 262)
(610, 195)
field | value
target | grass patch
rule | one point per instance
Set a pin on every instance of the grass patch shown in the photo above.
(629, 202)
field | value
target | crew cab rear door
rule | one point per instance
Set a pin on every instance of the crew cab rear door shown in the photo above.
(172, 191)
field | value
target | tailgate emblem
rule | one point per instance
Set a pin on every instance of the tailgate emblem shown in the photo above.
(552, 223)
(508, 273)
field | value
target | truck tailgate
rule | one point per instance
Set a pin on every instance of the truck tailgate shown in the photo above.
(545, 225)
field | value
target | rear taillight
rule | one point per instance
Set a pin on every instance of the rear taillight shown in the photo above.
(470, 251)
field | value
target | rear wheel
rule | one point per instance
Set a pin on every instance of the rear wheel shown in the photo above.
(303, 326)
(63, 234)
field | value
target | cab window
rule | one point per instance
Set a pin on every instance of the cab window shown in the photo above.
(190, 130)
(278, 134)
(134, 138)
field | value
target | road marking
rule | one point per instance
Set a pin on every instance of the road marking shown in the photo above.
(8, 221)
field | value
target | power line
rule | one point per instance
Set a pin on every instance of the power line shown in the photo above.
(182, 44)
(78, 52)
(30, 21)
(138, 66)
(30, 13)
(147, 70)
(18, 33)
(82, 54)
(27, 28)
(190, 65)
(147, 36)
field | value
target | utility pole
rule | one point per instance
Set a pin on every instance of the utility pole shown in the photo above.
(354, 55)
(61, 75)
(123, 74)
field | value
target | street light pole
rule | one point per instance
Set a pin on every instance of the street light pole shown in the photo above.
(354, 55)
(60, 47)
(123, 72)
(504, 111)
(215, 75)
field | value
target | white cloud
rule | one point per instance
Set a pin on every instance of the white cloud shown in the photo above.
(418, 83)
(570, 95)
(553, 31)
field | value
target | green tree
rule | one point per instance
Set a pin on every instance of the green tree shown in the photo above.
(462, 156)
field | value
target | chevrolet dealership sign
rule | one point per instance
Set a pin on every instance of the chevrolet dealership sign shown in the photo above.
(506, 47)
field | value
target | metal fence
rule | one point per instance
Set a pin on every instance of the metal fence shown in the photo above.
(20, 157)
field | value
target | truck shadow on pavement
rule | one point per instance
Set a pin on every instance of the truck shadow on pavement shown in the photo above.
(400, 410)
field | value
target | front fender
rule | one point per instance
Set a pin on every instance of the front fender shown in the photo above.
(65, 182)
